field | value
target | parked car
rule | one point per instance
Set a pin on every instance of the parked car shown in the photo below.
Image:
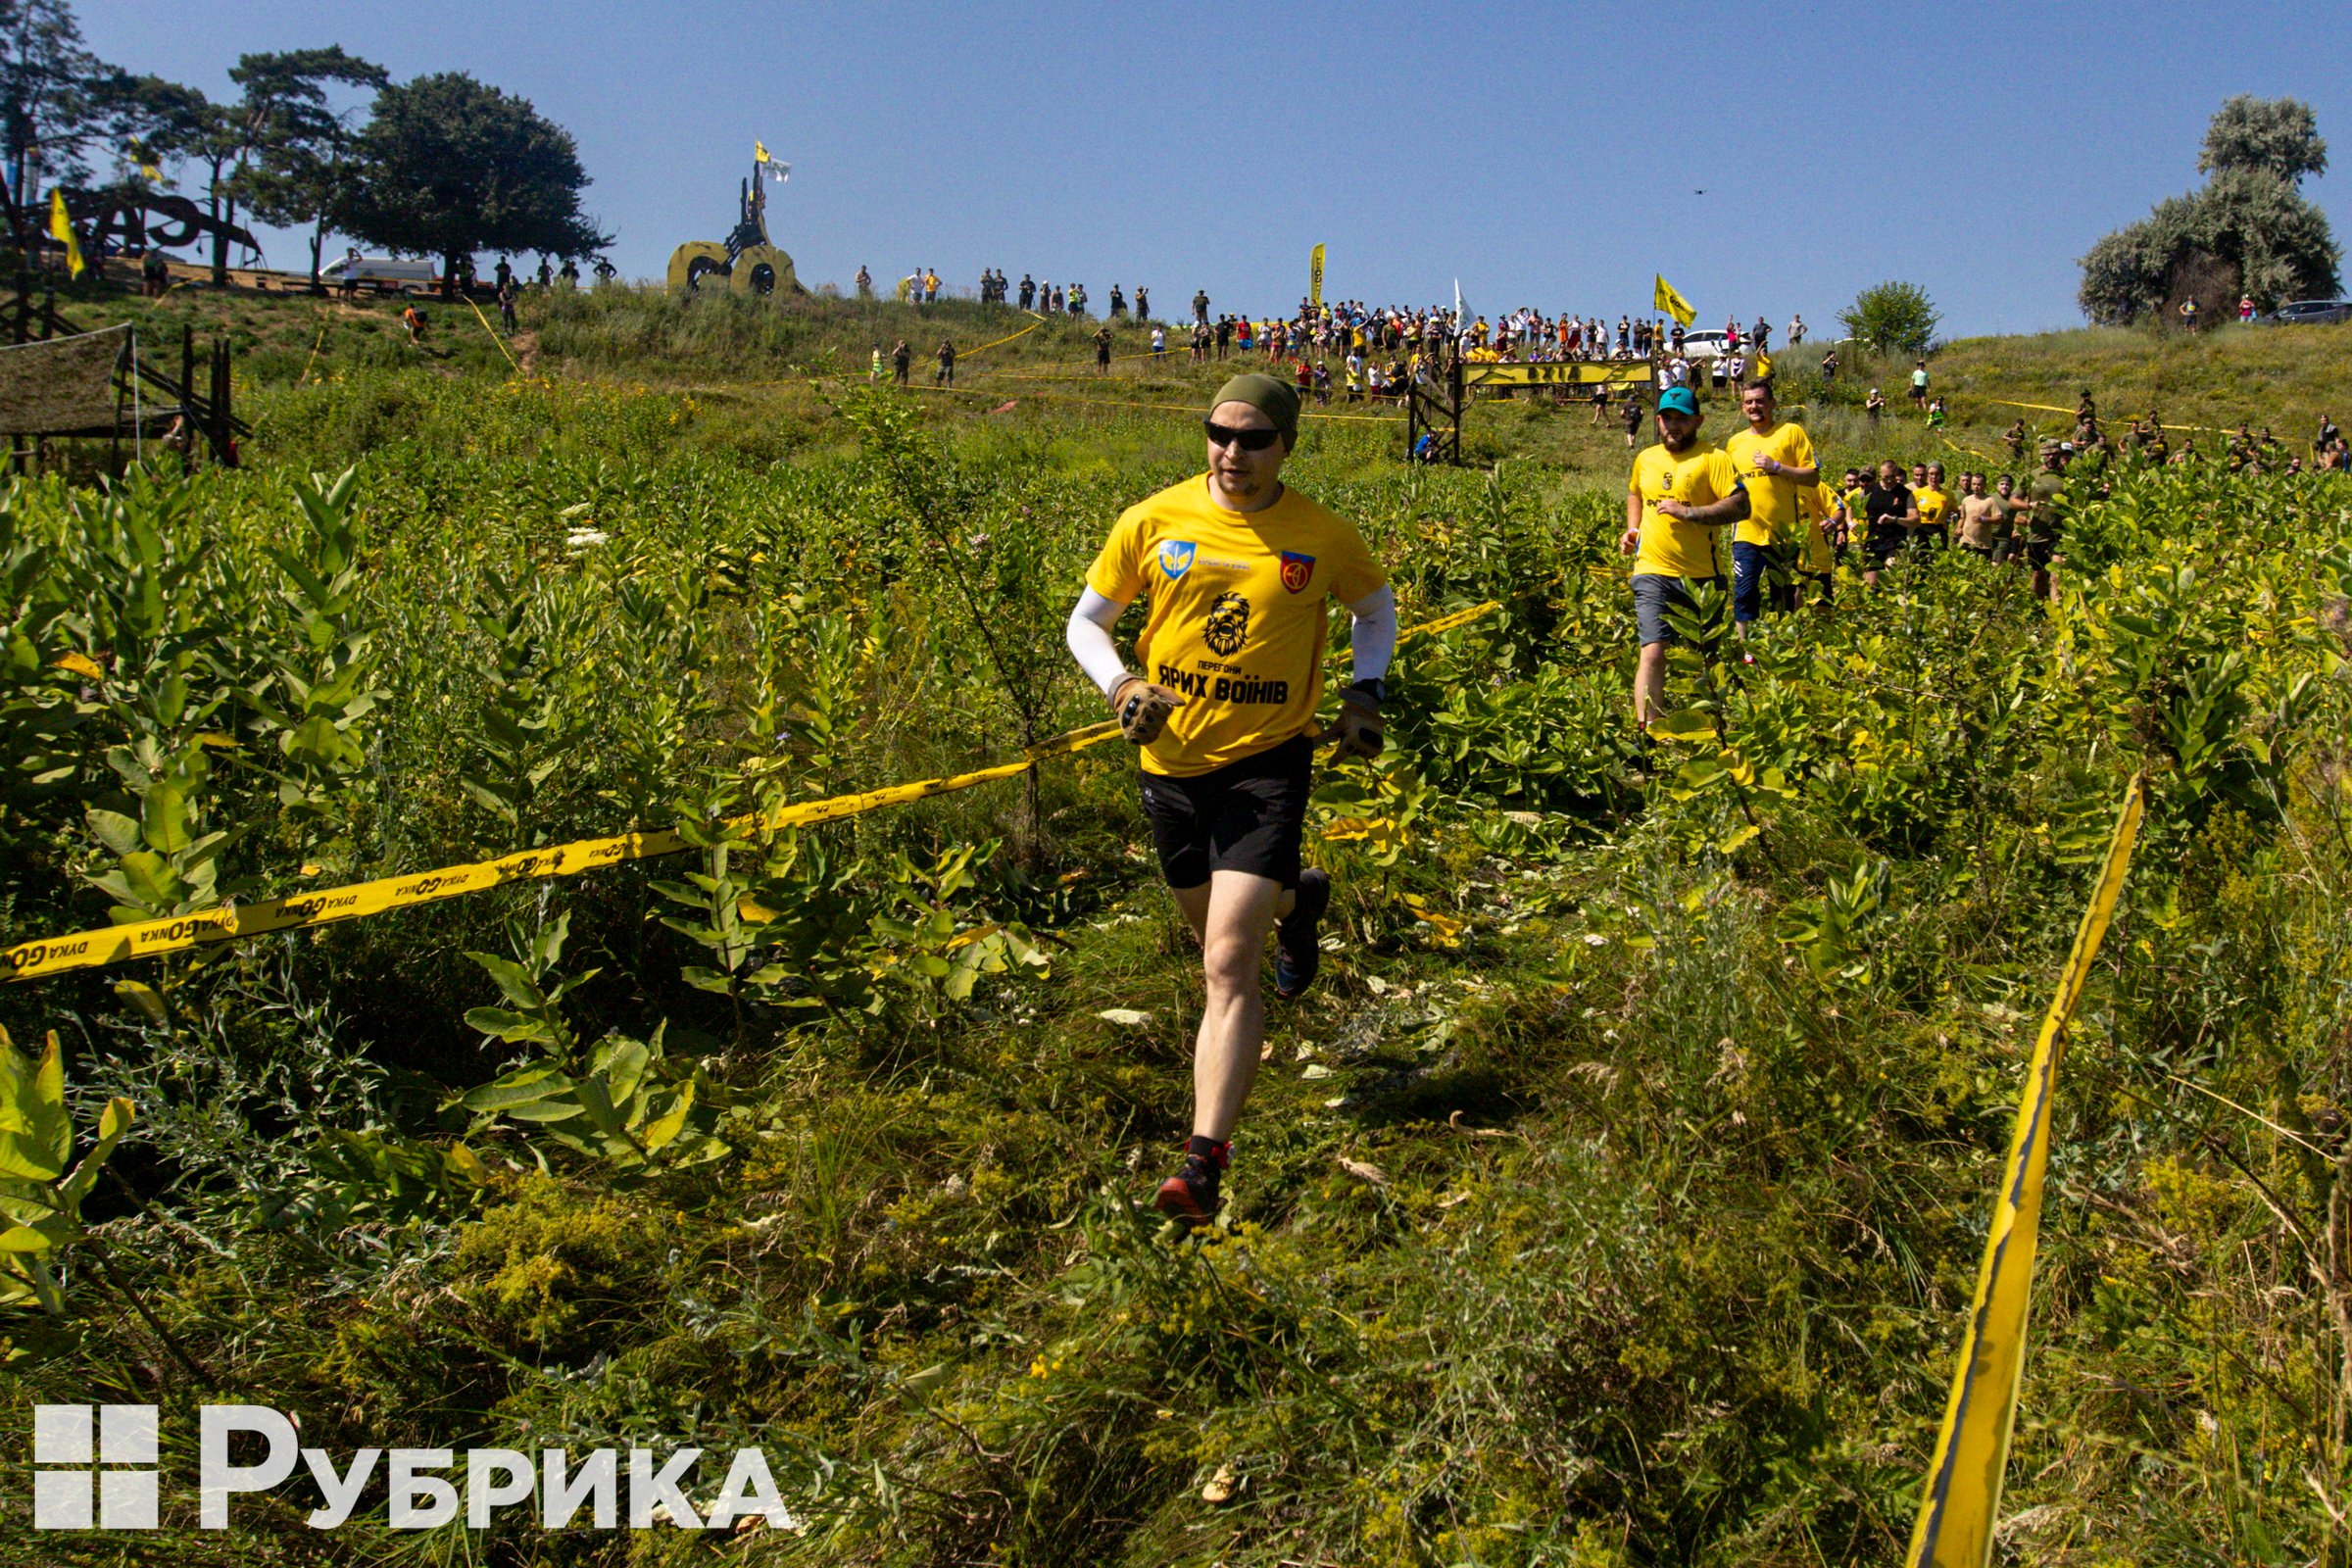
(1704, 345)
(2310, 312)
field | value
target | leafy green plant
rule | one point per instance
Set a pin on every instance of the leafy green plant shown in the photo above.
(41, 1196)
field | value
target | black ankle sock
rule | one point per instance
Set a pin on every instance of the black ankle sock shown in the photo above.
(1219, 1154)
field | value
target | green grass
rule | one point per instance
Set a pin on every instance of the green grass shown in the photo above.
(1614, 1199)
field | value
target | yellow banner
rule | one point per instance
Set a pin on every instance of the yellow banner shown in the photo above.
(1664, 298)
(61, 228)
(1962, 1496)
(1314, 276)
(86, 950)
(1567, 372)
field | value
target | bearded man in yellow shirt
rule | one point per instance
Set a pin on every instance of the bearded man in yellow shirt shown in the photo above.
(1680, 491)
(1239, 568)
(1776, 461)
(1934, 509)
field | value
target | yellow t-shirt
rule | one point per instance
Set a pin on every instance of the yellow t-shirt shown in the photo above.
(1857, 512)
(1821, 502)
(1774, 506)
(1237, 614)
(1933, 504)
(1698, 478)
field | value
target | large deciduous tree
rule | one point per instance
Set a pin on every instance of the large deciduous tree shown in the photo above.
(1892, 317)
(301, 144)
(449, 167)
(259, 143)
(2248, 230)
(54, 101)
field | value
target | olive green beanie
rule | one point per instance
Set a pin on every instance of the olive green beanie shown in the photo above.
(1278, 401)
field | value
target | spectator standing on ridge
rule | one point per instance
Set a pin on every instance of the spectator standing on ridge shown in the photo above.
(1919, 385)
(503, 272)
(1159, 340)
(945, 375)
(901, 360)
(1761, 334)
(1103, 350)
(1028, 292)
(2245, 306)
(1142, 303)
(866, 284)
(1201, 306)
(1118, 302)
(506, 305)
(1829, 365)
(1796, 330)
(2189, 313)
(1875, 406)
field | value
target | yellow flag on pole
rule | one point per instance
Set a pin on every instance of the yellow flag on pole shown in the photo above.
(1314, 276)
(1664, 298)
(759, 152)
(61, 228)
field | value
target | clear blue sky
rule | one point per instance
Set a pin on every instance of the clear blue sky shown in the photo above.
(1529, 149)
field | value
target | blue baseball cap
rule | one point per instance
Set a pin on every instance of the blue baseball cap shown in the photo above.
(1678, 400)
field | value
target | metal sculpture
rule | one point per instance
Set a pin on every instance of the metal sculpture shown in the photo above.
(747, 262)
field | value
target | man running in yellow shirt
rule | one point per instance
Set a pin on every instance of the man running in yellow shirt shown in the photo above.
(1239, 568)
(1777, 462)
(1935, 511)
(1680, 491)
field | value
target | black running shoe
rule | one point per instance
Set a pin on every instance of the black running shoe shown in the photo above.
(1189, 1197)
(1296, 954)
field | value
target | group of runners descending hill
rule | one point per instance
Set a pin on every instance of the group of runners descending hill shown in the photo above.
(1239, 568)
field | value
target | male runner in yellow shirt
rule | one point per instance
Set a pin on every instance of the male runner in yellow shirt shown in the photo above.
(1777, 462)
(1680, 491)
(1934, 509)
(1239, 568)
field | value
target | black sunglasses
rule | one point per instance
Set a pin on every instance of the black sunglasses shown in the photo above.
(1248, 440)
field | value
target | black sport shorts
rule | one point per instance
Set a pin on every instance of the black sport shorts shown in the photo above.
(1886, 541)
(1245, 816)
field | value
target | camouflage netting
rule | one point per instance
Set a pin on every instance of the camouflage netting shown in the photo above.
(65, 384)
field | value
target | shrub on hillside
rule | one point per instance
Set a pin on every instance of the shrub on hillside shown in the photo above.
(2248, 230)
(1892, 318)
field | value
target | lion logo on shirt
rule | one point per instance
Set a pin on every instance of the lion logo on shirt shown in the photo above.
(1228, 624)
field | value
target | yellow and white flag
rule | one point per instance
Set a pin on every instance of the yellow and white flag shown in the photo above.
(1664, 298)
(61, 227)
(774, 170)
(1314, 276)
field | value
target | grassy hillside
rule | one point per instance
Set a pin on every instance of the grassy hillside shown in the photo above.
(1614, 1199)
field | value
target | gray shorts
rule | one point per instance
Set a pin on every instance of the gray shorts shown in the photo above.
(1655, 594)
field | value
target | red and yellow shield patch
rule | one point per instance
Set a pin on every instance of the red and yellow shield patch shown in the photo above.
(1296, 571)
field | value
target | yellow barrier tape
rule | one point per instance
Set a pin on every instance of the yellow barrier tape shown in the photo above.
(86, 949)
(493, 331)
(1963, 1492)
(985, 347)
(2052, 408)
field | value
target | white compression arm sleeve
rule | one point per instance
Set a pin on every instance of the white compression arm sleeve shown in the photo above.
(1089, 637)
(1373, 636)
